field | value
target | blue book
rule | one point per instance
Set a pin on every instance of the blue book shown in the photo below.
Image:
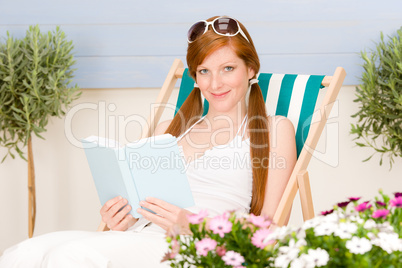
(148, 167)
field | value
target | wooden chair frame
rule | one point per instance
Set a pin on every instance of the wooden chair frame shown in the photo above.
(299, 179)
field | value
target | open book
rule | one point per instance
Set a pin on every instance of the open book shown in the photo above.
(148, 167)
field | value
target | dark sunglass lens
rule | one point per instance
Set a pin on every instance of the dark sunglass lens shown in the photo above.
(195, 31)
(226, 26)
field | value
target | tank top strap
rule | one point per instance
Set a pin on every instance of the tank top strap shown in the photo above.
(182, 135)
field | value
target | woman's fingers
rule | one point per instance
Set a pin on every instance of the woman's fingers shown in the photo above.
(157, 219)
(105, 208)
(123, 224)
(118, 217)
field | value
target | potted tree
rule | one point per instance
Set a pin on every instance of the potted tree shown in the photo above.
(35, 73)
(380, 99)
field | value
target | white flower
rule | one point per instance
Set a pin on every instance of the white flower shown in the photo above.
(301, 234)
(333, 218)
(311, 223)
(282, 232)
(297, 263)
(319, 256)
(307, 260)
(356, 218)
(358, 245)
(291, 252)
(370, 224)
(345, 230)
(325, 229)
(389, 242)
(282, 261)
(385, 227)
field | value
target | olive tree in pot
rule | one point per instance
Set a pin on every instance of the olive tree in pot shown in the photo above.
(379, 96)
(35, 73)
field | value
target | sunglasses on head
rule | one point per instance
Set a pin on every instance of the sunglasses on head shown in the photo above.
(224, 26)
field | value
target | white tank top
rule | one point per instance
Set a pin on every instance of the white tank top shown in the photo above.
(221, 179)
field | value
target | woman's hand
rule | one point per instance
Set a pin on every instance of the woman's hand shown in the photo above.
(167, 215)
(115, 214)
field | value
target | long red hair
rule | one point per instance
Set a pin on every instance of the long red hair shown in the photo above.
(192, 108)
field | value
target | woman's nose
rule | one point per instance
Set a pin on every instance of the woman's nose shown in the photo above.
(216, 82)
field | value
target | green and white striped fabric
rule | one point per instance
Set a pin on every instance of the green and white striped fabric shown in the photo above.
(289, 95)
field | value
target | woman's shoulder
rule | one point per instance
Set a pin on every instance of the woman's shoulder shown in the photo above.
(161, 127)
(280, 127)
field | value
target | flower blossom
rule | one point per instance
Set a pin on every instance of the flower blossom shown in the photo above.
(220, 250)
(315, 258)
(259, 221)
(380, 204)
(259, 236)
(352, 199)
(358, 245)
(397, 194)
(220, 225)
(381, 213)
(205, 245)
(326, 228)
(389, 242)
(363, 206)
(345, 230)
(327, 212)
(233, 258)
(197, 218)
(343, 204)
(397, 202)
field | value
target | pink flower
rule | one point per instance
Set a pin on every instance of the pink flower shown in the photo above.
(197, 218)
(380, 204)
(343, 204)
(220, 225)
(205, 245)
(398, 194)
(327, 212)
(396, 202)
(381, 213)
(363, 206)
(220, 250)
(259, 237)
(172, 254)
(354, 199)
(233, 258)
(259, 221)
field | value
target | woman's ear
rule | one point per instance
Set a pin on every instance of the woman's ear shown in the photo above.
(251, 73)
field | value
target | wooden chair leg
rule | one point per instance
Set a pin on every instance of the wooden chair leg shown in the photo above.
(305, 195)
(102, 227)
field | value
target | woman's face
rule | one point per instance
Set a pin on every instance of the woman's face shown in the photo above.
(223, 79)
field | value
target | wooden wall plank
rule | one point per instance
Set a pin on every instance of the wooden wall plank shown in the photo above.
(178, 11)
(269, 38)
(138, 72)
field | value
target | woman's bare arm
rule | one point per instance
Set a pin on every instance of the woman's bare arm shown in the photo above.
(282, 161)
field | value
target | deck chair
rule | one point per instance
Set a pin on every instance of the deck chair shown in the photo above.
(292, 96)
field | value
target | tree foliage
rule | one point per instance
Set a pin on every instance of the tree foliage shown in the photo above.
(380, 97)
(35, 73)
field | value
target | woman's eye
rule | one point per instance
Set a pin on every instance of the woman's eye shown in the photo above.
(228, 68)
(203, 71)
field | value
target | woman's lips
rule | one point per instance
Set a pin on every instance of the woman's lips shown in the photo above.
(221, 95)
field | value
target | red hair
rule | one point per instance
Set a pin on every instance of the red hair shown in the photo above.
(191, 109)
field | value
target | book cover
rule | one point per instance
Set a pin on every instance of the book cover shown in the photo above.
(148, 167)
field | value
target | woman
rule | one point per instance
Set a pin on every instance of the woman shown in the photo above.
(223, 61)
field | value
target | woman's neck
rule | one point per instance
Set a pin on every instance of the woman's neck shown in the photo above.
(222, 119)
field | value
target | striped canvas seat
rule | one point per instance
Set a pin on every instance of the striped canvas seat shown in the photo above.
(289, 95)
(293, 96)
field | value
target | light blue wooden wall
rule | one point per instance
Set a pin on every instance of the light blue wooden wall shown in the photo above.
(131, 43)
